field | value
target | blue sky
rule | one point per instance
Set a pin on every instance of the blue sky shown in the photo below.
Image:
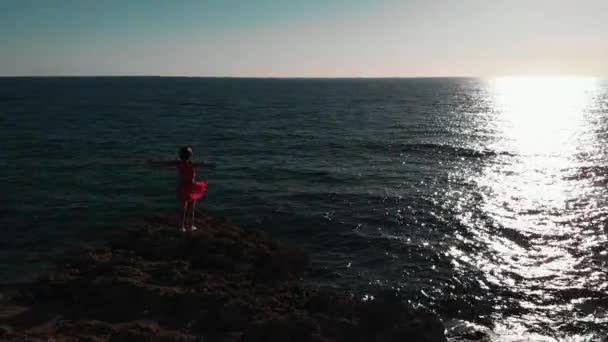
(315, 38)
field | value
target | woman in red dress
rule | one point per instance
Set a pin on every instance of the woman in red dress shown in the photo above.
(188, 189)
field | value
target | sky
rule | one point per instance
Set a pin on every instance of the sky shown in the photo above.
(304, 38)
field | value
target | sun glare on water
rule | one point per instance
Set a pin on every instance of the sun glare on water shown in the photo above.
(537, 213)
(541, 114)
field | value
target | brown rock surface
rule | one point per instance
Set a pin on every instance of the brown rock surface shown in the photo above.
(221, 283)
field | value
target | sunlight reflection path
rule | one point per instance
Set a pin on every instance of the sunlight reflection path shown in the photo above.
(536, 213)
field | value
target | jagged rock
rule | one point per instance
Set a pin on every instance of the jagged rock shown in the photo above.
(234, 316)
(302, 327)
(330, 301)
(466, 331)
(222, 283)
(273, 329)
(149, 331)
(5, 331)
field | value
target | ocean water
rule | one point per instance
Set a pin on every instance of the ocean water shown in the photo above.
(483, 200)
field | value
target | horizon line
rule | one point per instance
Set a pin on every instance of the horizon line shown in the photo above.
(203, 76)
(306, 77)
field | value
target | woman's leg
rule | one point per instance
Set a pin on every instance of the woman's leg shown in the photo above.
(183, 212)
(192, 205)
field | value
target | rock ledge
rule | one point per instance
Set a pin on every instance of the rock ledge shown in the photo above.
(221, 283)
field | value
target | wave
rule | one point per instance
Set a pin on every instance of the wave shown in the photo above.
(195, 104)
(595, 172)
(441, 149)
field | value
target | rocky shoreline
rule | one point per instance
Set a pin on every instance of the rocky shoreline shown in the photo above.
(220, 283)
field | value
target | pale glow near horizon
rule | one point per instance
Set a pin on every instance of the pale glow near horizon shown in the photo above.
(336, 38)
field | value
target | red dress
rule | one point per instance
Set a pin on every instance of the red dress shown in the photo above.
(189, 190)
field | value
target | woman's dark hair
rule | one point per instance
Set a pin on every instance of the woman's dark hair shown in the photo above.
(185, 153)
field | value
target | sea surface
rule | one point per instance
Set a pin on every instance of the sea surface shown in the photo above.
(484, 200)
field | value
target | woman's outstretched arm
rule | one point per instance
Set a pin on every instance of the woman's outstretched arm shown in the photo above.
(162, 163)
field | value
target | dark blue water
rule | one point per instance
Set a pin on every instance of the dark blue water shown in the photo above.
(484, 200)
